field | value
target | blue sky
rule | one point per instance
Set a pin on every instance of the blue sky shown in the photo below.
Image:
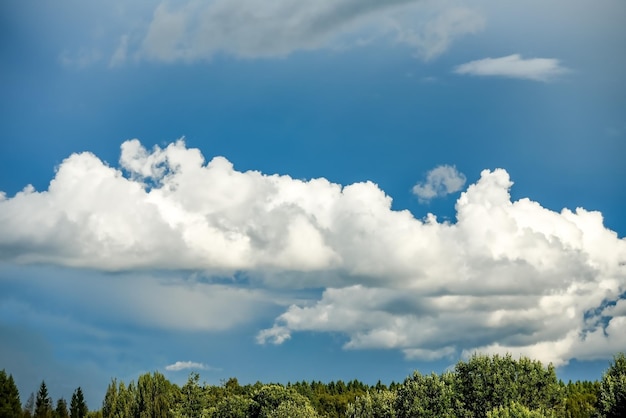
(243, 188)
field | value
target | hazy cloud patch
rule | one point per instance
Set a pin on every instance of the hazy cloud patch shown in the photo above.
(440, 181)
(194, 30)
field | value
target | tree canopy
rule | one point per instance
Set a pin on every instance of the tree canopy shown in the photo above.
(480, 387)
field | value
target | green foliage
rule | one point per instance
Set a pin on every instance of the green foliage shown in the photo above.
(78, 407)
(377, 404)
(516, 410)
(293, 409)
(270, 397)
(192, 402)
(61, 410)
(43, 403)
(581, 399)
(613, 389)
(426, 396)
(233, 406)
(485, 383)
(481, 387)
(10, 405)
(154, 396)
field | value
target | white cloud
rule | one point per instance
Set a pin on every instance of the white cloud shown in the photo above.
(508, 275)
(514, 66)
(440, 181)
(196, 30)
(186, 365)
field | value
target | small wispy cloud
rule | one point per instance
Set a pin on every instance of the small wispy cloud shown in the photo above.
(186, 365)
(514, 66)
(440, 181)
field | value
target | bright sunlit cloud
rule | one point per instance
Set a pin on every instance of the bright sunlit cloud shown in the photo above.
(186, 365)
(514, 66)
(508, 275)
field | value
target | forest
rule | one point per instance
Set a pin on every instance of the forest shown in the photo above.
(481, 387)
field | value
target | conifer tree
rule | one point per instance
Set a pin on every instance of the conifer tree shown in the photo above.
(61, 409)
(10, 405)
(43, 403)
(78, 407)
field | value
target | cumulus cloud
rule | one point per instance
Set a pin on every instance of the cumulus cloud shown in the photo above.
(507, 275)
(514, 66)
(186, 365)
(192, 30)
(440, 181)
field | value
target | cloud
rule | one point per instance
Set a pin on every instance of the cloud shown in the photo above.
(507, 275)
(186, 365)
(435, 35)
(195, 30)
(514, 66)
(440, 181)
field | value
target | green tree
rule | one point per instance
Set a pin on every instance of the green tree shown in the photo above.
(233, 406)
(426, 396)
(61, 410)
(109, 403)
(154, 396)
(78, 407)
(43, 403)
(293, 409)
(377, 404)
(613, 389)
(192, 402)
(581, 399)
(10, 405)
(486, 382)
(270, 397)
(517, 410)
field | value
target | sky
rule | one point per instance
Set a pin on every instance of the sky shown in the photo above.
(281, 190)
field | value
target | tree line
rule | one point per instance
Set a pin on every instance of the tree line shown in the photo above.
(481, 387)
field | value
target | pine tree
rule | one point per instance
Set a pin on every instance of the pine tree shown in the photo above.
(10, 405)
(78, 407)
(61, 409)
(43, 403)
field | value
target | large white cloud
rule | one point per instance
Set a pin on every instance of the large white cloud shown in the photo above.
(508, 275)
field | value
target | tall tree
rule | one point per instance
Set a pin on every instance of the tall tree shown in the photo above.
(78, 407)
(154, 396)
(192, 401)
(613, 389)
(61, 410)
(488, 382)
(10, 405)
(427, 396)
(110, 400)
(43, 403)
